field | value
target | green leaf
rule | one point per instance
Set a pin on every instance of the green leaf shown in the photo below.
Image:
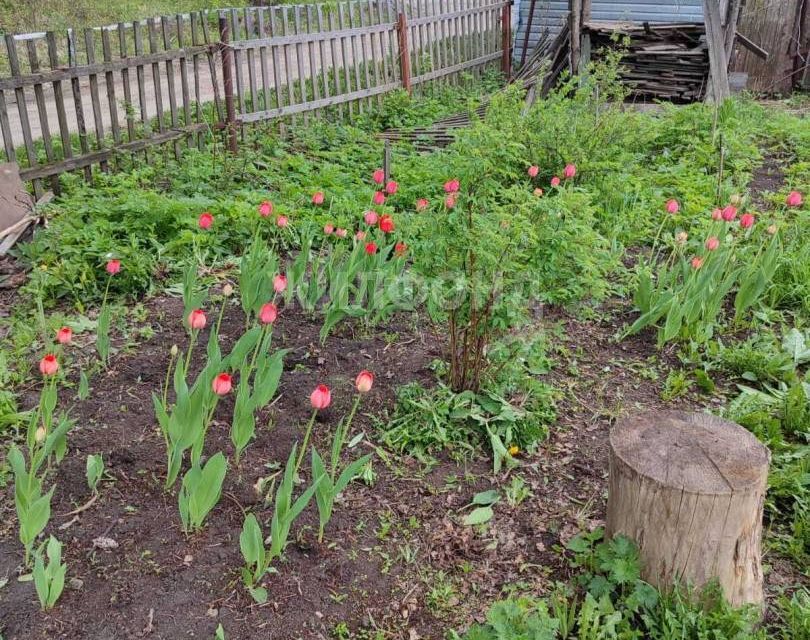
(486, 497)
(251, 543)
(478, 516)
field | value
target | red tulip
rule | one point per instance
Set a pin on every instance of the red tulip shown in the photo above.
(386, 224)
(282, 221)
(452, 186)
(729, 213)
(371, 248)
(450, 201)
(794, 199)
(113, 267)
(717, 214)
(569, 171)
(360, 235)
(317, 197)
(205, 221)
(712, 243)
(197, 319)
(391, 187)
(697, 263)
(328, 228)
(48, 365)
(379, 198)
(378, 176)
(64, 335)
(370, 217)
(268, 313)
(280, 283)
(555, 181)
(265, 208)
(340, 233)
(364, 381)
(320, 397)
(422, 204)
(672, 206)
(533, 171)
(400, 248)
(747, 220)
(222, 384)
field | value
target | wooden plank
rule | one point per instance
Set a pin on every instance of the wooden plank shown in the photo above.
(5, 127)
(109, 85)
(287, 57)
(251, 61)
(717, 56)
(140, 77)
(313, 58)
(184, 89)
(165, 26)
(95, 100)
(156, 83)
(299, 57)
(436, 36)
(195, 65)
(381, 43)
(457, 68)
(335, 55)
(364, 55)
(404, 52)
(212, 67)
(302, 107)
(22, 108)
(262, 30)
(325, 57)
(337, 15)
(59, 99)
(85, 161)
(227, 83)
(373, 47)
(275, 54)
(42, 110)
(390, 16)
(344, 8)
(237, 62)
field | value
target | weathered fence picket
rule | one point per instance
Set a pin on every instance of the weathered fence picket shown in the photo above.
(279, 62)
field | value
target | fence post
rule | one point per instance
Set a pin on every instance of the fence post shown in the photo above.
(506, 27)
(404, 52)
(227, 82)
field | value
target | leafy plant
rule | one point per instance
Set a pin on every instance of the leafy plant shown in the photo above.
(49, 579)
(94, 471)
(200, 491)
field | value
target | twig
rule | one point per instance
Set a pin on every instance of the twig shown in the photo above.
(84, 507)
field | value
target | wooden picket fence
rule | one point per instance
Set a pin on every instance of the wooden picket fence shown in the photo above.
(172, 83)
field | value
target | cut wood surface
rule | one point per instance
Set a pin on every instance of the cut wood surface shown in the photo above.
(689, 489)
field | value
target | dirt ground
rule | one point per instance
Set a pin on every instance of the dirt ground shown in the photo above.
(395, 557)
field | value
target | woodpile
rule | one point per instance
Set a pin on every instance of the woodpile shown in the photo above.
(662, 61)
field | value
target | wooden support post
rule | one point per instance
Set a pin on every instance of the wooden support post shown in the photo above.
(718, 62)
(506, 25)
(387, 159)
(585, 35)
(227, 83)
(528, 32)
(575, 26)
(689, 489)
(404, 52)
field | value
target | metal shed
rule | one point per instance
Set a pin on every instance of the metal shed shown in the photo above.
(552, 14)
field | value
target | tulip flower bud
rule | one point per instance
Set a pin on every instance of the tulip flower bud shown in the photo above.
(227, 290)
(40, 434)
(174, 351)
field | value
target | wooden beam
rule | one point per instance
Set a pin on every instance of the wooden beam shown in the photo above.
(718, 61)
(753, 47)
(575, 25)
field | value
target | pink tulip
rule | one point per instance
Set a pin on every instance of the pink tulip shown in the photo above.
(379, 198)
(48, 366)
(370, 217)
(222, 384)
(364, 381)
(386, 224)
(747, 220)
(378, 176)
(672, 206)
(113, 267)
(717, 214)
(391, 187)
(422, 204)
(400, 248)
(555, 181)
(340, 233)
(794, 199)
(280, 283)
(360, 235)
(371, 248)
(64, 335)
(328, 228)
(712, 243)
(321, 397)
(205, 221)
(265, 208)
(729, 213)
(282, 221)
(452, 186)
(268, 313)
(533, 171)
(317, 197)
(197, 319)
(697, 263)
(569, 171)
(450, 201)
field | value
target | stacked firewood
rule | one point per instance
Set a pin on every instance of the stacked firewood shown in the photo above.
(661, 61)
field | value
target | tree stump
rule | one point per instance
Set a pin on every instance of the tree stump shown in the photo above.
(689, 488)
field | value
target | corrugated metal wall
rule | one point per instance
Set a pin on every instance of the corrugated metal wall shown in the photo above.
(552, 14)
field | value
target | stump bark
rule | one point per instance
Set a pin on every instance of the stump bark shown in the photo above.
(689, 488)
